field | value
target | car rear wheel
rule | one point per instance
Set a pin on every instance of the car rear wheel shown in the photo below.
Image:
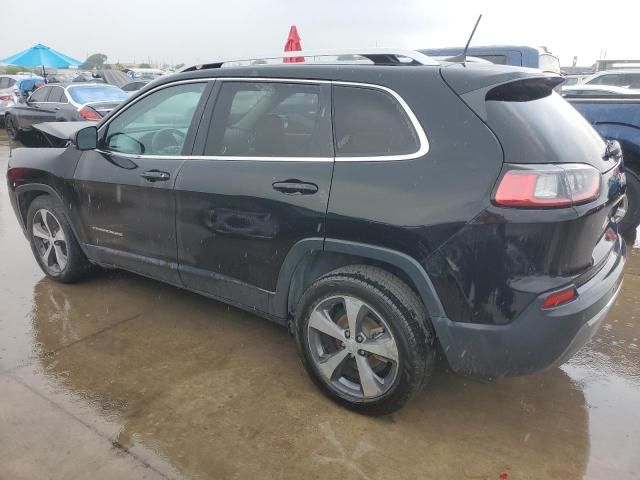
(11, 125)
(53, 243)
(365, 339)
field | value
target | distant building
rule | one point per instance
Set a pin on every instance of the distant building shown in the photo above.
(612, 64)
(578, 70)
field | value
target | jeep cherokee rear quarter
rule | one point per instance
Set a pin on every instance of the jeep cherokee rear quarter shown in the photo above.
(375, 209)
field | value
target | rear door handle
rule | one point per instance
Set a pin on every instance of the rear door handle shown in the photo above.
(295, 187)
(156, 176)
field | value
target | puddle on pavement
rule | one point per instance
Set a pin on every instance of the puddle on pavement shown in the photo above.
(192, 387)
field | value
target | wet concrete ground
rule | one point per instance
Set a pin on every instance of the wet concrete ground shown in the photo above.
(124, 377)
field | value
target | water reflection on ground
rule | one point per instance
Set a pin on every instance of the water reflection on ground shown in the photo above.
(123, 377)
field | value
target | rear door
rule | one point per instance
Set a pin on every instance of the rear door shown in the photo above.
(259, 185)
(124, 189)
(50, 108)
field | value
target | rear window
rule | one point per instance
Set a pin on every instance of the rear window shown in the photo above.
(542, 129)
(628, 80)
(549, 63)
(96, 93)
(371, 123)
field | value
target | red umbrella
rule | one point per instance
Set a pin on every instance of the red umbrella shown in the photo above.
(293, 45)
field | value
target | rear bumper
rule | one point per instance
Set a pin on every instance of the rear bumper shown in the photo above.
(537, 338)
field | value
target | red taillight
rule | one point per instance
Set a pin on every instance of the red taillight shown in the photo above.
(548, 186)
(89, 114)
(560, 298)
(5, 98)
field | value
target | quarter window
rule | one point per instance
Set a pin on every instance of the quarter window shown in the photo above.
(156, 124)
(370, 123)
(264, 119)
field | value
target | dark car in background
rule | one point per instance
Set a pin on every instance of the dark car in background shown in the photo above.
(64, 102)
(340, 201)
(616, 117)
(516, 55)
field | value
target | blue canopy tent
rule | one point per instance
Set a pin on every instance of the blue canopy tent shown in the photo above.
(40, 56)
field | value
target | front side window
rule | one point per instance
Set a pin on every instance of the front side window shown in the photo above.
(264, 119)
(156, 124)
(40, 95)
(370, 123)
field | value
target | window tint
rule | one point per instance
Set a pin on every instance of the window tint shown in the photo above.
(55, 95)
(40, 95)
(370, 123)
(157, 124)
(261, 119)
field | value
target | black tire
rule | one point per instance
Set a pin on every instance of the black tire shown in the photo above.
(406, 318)
(11, 125)
(76, 265)
(631, 220)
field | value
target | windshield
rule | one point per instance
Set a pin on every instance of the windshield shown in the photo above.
(96, 93)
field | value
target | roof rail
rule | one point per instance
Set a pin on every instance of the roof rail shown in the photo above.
(379, 56)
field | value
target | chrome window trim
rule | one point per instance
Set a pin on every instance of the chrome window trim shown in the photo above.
(422, 137)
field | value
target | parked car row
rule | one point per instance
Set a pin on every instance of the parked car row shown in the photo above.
(64, 102)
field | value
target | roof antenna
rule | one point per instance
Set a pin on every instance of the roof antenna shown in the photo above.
(463, 56)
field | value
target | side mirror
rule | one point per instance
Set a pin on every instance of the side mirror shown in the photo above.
(86, 138)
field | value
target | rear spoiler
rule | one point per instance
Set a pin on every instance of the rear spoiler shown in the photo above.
(475, 84)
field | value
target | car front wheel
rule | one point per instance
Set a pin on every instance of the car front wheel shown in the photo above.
(53, 242)
(365, 339)
(13, 130)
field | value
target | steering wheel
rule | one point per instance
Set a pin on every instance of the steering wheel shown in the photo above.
(167, 140)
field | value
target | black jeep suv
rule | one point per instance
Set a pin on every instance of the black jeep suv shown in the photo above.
(382, 211)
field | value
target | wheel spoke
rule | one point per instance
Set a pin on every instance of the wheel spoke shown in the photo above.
(61, 258)
(383, 347)
(39, 232)
(46, 256)
(45, 215)
(329, 365)
(354, 308)
(321, 321)
(371, 384)
(59, 236)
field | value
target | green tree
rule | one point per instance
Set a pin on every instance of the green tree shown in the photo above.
(144, 65)
(96, 60)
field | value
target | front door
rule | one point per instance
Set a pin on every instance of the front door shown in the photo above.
(124, 188)
(31, 112)
(260, 184)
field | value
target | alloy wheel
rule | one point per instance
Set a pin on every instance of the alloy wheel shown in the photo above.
(50, 241)
(352, 346)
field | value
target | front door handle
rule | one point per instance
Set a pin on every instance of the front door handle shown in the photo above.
(295, 187)
(156, 176)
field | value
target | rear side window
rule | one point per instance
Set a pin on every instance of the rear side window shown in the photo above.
(40, 95)
(371, 123)
(264, 119)
(55, 95)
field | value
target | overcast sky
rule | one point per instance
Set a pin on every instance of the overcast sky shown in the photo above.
(194, 31)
